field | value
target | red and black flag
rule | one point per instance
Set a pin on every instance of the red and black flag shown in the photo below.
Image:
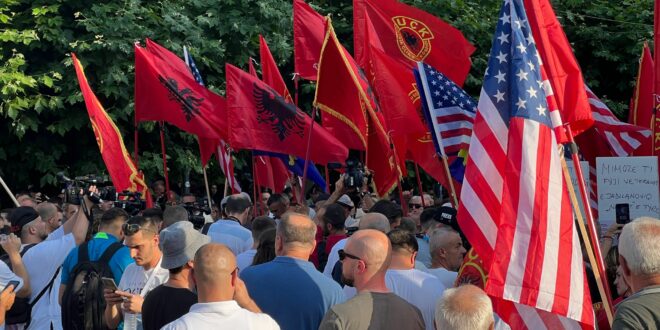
(412, 35)
(121, 168)
(264, 120)
(166, 90)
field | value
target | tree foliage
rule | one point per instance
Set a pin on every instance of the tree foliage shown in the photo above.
(44, 126)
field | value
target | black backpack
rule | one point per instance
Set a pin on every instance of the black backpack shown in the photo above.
(21, 311)
(83, 303)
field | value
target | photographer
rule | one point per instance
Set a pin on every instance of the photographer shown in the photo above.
(43, 261)
(230, 231)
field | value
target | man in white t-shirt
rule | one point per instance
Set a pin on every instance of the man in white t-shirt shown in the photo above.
(138, 278)
(259, 226)
(224, 302)
(44, 258)
(414, 286)
(447, 254)
(230, 231)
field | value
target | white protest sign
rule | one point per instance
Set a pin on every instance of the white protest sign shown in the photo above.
(632, 180)
(585, 174)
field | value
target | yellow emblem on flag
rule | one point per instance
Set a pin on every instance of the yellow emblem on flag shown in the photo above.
(413, 38)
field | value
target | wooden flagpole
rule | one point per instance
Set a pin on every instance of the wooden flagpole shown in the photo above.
(419, 185)
(593, 238)
(13, 198)
(309, 143)
(164, 155)
(607, 303)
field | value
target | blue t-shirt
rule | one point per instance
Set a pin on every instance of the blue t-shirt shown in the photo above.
(95, 248)
(292, 292)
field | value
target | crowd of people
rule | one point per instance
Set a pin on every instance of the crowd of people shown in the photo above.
(345, 260)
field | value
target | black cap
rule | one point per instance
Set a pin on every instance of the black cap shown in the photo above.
(446, 215)
(20, 217)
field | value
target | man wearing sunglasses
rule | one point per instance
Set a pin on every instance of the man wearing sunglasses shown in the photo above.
(139, 278)
(365, 260)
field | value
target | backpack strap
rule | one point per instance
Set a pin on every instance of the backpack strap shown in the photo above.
(41, 294)
(83, 253)
(110, 252)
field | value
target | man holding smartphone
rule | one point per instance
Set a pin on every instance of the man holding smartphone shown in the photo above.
(139, 278)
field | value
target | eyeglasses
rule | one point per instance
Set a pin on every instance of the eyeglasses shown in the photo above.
(415, 206)
(343, 255)
(131, 228)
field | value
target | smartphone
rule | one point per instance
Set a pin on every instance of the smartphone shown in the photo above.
(14, 284)
(622, 213)
(109, 283)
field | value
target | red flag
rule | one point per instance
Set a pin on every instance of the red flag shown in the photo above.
(255, 107)
(270, 74)
(165, 89)
(352, 113)
(642, 102)
(308, 33)
(566, 87)
(271, 173)
(412, 35)
(121, 168)
(251, 70)
(399, 99)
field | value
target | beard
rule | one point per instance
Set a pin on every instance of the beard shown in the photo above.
(347, 281)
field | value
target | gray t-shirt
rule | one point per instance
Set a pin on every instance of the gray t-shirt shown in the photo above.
(371, 310)
(639, 311)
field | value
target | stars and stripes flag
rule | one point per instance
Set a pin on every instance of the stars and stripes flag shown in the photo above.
(514, 204)
(224, 156)
(448, 109)
(609, 137)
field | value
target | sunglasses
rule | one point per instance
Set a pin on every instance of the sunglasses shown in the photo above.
(415, 206)
(343, 255)
(131, 228)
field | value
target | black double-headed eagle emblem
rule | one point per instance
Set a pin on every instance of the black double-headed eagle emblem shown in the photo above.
(185, 97)
(282, 115)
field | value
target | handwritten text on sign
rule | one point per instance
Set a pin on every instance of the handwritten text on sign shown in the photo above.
(632, 180)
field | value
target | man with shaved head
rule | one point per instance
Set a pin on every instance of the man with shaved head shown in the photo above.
(373, 220)
(366, 258)
(289, 288)
(224, 302)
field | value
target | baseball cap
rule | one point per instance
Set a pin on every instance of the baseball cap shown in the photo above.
(179, 242)
(20, 217)
(447, 216)
(344, 200)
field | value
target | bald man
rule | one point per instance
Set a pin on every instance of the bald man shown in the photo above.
(464, 308)
(366, 258)
(374, 220)
(223, 299)
(289, 288)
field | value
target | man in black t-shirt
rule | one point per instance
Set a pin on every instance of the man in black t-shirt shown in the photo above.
(171, 300)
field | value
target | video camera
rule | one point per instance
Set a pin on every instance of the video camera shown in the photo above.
(75, 188)
(354, 173)
(196, 213)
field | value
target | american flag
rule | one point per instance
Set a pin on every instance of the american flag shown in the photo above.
(224, 156)
(448, 110)
(620, 140)
(514, 204)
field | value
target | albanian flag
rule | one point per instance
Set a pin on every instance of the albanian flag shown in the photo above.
(123, 172)
(264, 120)
(166, 90)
